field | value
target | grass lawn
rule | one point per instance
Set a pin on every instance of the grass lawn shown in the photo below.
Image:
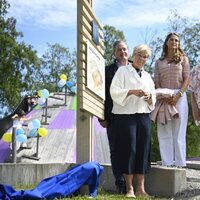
(102, 195)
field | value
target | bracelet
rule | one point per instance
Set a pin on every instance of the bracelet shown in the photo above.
(181, 93)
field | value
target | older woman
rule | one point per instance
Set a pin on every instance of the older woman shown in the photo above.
(172, 72)
(133, 94)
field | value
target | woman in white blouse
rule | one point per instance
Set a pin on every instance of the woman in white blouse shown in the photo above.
(133, 93)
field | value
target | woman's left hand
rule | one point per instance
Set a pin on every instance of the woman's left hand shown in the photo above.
(147, 98)
(173, 100)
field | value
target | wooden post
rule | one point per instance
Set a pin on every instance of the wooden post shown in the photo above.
(84, 119)
(14, 144)
(84, 137)
(89, 103)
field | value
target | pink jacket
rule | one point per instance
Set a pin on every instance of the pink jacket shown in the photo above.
(164, 112)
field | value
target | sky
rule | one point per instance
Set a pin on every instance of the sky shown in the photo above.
(54, 21)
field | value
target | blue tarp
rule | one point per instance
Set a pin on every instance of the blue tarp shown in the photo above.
(59, 186)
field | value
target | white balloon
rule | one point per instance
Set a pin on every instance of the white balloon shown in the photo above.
(61, 83)
(30, 126)
(41, 101)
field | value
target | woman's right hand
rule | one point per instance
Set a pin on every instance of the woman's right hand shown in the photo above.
(104, 124)
(138, 93)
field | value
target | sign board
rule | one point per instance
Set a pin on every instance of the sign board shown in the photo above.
(95, 71)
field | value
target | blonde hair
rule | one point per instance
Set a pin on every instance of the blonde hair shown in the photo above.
(142, 48)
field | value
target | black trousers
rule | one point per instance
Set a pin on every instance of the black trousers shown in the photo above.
(119, 180)
(133, 143)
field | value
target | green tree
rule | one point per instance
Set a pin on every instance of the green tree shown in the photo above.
(56, 60)
(111, 34)
(189, 34)
(16, 61)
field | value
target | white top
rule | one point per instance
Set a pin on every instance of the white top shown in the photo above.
(127, 78)
(17, 123)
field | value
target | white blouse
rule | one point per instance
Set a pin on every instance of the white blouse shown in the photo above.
(125, 79)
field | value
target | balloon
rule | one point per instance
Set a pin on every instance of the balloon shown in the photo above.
(19, 131)
(32, 133)
(21, 138)
(36, 123)
(42, 132)
(30, 125)
(63, 77)
(45, 93)
(40, 93)
(41, 101)
(73, 89)
(61, 83)
(7, 137)
(69, 84)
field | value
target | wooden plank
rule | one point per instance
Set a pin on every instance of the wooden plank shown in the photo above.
(83, 39)
(85, 92)
(90, 11)
(83, 56)
(86, 32)
(89, 19)
(93, 97)
(90, 101)
(86, 24)
(83, 47)
(92, 111)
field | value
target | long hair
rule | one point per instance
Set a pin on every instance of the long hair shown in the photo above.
(177, 55)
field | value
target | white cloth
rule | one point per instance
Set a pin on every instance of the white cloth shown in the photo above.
(172, 136)
(127, 78)
(164, 112)
(17, 123)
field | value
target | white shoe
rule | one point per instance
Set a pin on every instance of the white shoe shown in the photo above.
(18, 145)
(23, 145)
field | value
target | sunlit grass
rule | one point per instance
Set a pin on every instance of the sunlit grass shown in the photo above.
(102, 195)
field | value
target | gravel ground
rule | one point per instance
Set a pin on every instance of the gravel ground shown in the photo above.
(193, 186)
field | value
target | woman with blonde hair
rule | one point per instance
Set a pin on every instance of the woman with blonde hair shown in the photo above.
(133, 93)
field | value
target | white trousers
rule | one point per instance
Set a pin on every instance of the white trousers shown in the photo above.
(172, 136)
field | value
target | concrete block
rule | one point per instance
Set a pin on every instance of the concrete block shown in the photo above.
(29, 174)
(162, 181)
(165, 181)
(193, 165)
(107, 180)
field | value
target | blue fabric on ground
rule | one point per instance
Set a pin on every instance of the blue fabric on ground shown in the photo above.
(59, 186)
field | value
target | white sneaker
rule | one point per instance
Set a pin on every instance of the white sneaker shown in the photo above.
(18, 145)
(23, 145)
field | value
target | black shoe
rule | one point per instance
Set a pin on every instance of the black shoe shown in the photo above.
(121, 189)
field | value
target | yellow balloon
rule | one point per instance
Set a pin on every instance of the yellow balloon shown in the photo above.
(42, 132)
(7, 137)
(40, 93)
(63, 77)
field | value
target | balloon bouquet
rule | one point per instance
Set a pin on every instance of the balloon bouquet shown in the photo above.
(69, 84)
(34, 129)
(43, 96)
